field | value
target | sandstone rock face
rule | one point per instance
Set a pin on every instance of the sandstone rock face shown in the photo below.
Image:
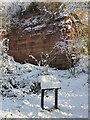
(39, 35)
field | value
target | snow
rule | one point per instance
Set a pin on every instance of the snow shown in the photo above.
(32, 20)
(68, 21)
(73, 102)
(49, 82)
(34, 23)
(50, 32)
(28, 29)
(69, 27)
(18, 101)
(38, 27)
(62, 23)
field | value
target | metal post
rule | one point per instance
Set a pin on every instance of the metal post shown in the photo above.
(56, 98)
(42, 98)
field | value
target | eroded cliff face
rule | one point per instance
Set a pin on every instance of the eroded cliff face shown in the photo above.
(42, 34)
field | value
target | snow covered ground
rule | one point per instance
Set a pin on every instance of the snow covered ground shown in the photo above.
(17, 101)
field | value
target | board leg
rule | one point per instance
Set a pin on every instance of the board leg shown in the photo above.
(56, 98)
(42, 98)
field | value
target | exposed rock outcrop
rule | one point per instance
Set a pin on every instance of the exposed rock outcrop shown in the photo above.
(41, 34)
